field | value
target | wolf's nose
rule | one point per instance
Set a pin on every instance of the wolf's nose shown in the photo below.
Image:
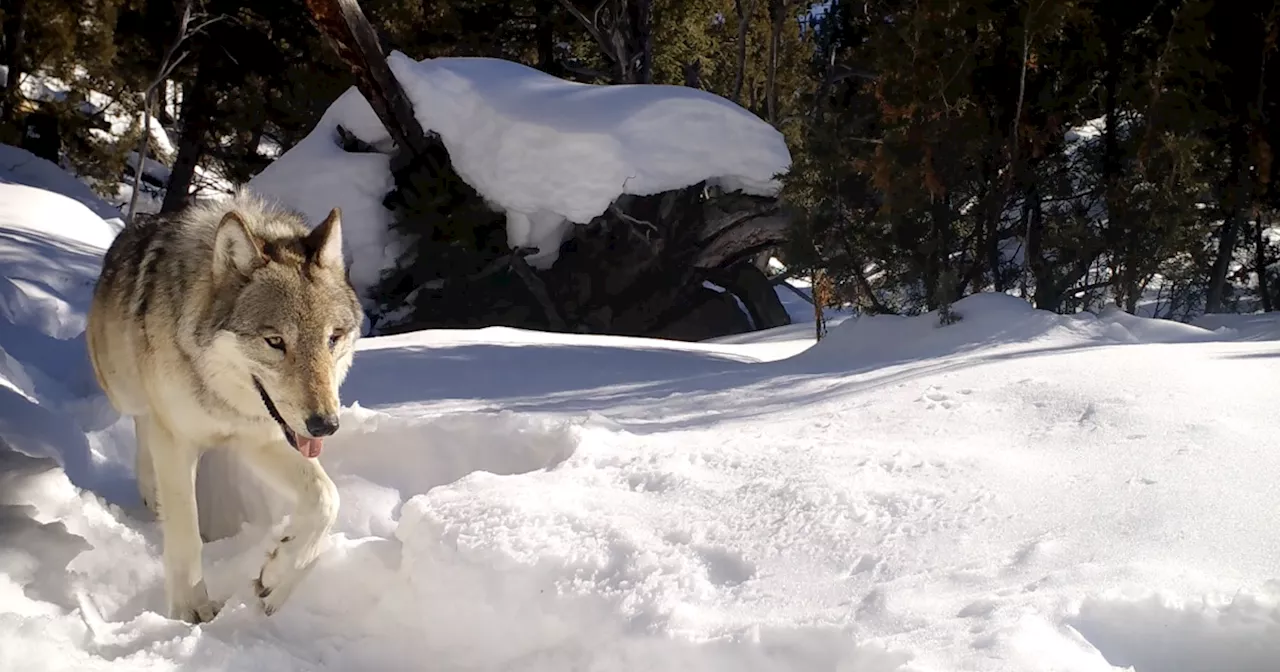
(322, 425)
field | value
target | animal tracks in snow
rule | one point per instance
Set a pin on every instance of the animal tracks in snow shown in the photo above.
(935, 397)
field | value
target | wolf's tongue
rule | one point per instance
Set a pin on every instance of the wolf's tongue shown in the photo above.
(310, 447)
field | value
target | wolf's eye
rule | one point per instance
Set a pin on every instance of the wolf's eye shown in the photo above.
(275, 342)
(334, 338)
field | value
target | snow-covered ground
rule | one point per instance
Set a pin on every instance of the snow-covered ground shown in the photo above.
(1018, 491)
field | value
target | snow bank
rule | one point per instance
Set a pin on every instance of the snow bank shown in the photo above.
(999, 320)
(18, 166)
(1161, 632)
(50, 253)
(1253, 327)
(548, 152)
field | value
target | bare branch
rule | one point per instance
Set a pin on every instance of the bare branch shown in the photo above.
(584, 71)
(842, 72)
(537, 288)
(167, 64)
(639, 223)
(592, 27)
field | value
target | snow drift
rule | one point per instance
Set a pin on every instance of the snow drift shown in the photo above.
(548, 152)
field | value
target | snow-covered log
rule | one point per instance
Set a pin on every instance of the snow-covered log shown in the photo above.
(521, 199)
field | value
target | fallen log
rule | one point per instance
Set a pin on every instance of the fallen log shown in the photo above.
(636, 269)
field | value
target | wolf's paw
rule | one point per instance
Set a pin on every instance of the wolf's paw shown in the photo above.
(286, 565)
(195, 608)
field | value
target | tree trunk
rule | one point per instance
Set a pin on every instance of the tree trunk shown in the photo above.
(162, 110)
(990, 229)
(642, 22)
(745, 9)
(546, 36)
(746, 282)
(692, 74)
(15, 29)
(940, 280)
(1236, 202)
(192, 140)
(777, 13)
(1261, 261)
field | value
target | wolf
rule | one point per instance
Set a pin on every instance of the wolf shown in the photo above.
(230, 325)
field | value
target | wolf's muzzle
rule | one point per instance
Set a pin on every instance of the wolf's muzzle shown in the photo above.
(275, 413)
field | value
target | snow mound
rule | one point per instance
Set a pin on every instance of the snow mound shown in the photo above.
(548, 152)
(18, 166)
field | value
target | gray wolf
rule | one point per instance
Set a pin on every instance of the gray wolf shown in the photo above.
(231, 325)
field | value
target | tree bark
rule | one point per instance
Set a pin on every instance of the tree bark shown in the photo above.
(746, 282)
(545, 37)
(15, 28)
(1236, 202)
(642, 22)
(777, 13)
(745, 9)
(192, 141)
(1261, 261)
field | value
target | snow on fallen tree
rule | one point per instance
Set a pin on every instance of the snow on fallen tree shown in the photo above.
(478, 191)
(548, 152)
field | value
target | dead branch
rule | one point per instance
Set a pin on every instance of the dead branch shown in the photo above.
(537, 288)
(592, 26)
(348, 32)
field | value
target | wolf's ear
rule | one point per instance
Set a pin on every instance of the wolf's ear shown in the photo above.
(326, 241)
(235, 247)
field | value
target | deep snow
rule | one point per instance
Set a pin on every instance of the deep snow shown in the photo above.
(547, 152)
(1017, 491)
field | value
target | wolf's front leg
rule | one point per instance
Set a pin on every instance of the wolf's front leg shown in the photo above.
(315, 508)
(173, 465)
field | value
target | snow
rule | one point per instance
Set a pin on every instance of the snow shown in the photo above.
(1016, 491)
(547, 152)
(18, 166)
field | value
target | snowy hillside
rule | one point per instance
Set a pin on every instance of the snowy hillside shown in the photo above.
(1019, 491)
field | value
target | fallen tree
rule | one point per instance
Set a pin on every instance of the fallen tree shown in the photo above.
(639, 268)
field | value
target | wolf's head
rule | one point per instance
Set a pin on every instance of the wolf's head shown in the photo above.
(289, 312)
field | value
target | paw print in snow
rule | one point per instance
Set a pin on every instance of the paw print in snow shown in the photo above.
(934, 397)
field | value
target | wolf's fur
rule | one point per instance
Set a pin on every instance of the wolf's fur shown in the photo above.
(188, 314)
